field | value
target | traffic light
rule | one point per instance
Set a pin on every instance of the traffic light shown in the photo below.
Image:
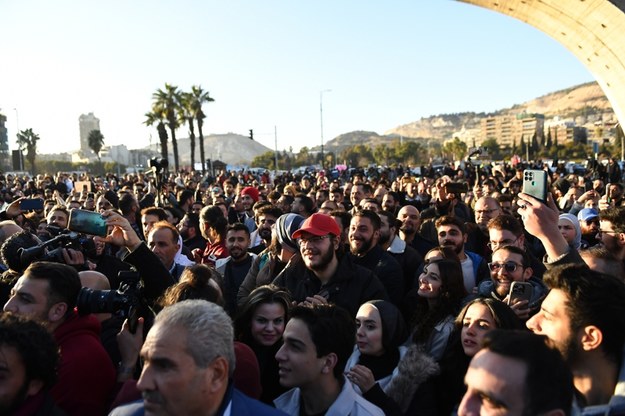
(251, 134)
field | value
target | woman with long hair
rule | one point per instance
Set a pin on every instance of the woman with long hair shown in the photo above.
(260, 324)
(475, 320)
(439, 296)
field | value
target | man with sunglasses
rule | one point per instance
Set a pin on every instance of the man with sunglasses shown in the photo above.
(512, 264)
(589, 223)
(611, 233)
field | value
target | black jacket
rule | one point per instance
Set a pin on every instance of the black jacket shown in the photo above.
(387, 269)
(349, 287)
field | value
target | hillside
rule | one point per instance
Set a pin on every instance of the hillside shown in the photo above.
(582, 103)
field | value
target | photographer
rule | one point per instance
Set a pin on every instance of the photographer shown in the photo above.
(156, 278)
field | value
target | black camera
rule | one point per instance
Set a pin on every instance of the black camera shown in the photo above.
(52, 249)
(159, 164)
(456, 188)
(128, 300)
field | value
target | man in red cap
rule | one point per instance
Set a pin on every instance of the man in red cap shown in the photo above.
(325, 274)
(249, 196)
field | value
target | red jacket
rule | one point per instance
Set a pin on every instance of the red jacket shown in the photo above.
(86, 374)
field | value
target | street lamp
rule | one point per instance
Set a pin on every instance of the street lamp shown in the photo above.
(321, 119)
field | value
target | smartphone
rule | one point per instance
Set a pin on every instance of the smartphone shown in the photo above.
(31, 204)
(535, 184)
(520, 291)
(87, 222)
(456, 188)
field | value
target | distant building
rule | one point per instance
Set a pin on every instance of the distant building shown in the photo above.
(87, 123)
(4, 143)
(566, 132)
(508, 130)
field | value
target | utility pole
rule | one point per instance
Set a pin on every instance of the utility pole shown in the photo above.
(275, 139)
(321, 120)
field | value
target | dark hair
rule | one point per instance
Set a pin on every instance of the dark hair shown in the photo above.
(504, 317)
(593, 299)
(63, 282)
(449, 220)
(331, 329)
(259, 296)
(125, 203)
(344, 216)
(194, 284)
(214, 217)
(395, 195)
(372, 216)
(610, 261)
(391, 219)
(193, 219)
(237, 226)
(526, 261)
(506, 222)
(451, 293)
(270, 210)
(158, 212)
(548, 381)
(306, 202)
(10, 248)
(616, 216)
(35, 345)
(183, 196)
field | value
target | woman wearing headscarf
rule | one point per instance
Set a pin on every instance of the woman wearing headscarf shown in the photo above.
(396, 378)
(571, 230)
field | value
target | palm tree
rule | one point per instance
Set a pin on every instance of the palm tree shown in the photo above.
(186, 115)
(168, 102)
(27, 140)
(155, 117)
(96, 141)
(199, 98)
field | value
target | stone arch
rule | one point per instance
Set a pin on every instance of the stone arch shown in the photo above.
(590, 29)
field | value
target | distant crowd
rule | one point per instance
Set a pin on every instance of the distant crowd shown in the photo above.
(454, 289)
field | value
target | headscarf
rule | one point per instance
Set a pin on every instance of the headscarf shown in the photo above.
(284, 228)
(577, 242)
(394, 331)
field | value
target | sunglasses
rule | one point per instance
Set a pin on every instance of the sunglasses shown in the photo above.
(509, 266)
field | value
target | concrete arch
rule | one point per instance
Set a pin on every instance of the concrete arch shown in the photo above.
(591, 29)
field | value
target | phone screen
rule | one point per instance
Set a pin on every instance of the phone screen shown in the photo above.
(87, 222)
(30, 204)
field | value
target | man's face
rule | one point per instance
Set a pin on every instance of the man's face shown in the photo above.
(320, 198)
(609, 238)
(265, 223)
(237, 242)
(148, 221)
(171, 382)
(614, 192)
(247, 202)
(495, 386)
(185, 229)
(103, 204)
(502, 278)
(30, 298)
(386, 232)
(410, 219)
(296, 206)
(388, 203)
(450, 235)
(362, 236)
(356, 195)
(504, 238)
(58, 219)
(161, 242)
(485, 210)
(316, 252)
(14, 387)
(554, 322)
(298, 363)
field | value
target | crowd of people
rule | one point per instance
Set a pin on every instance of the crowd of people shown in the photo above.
(369, 292)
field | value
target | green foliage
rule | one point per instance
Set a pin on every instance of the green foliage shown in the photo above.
(455, 149)
(27, 140)
(96, 141)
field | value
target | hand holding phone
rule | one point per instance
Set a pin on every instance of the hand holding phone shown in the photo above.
(520, 291)
(87, 222)
(535, 184)
(31, 204)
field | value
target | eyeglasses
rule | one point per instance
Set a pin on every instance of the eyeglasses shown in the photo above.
(312, 240)
(493, 245)
(606, 232)
(486, 211)
(508, 266)
(589, 222)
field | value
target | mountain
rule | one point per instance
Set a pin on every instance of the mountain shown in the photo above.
(582, 104)
(233, 149)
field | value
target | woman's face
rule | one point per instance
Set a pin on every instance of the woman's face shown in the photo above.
(567, 230)
(430, 281)
(477, 322)
(268, 323)
(369, 330)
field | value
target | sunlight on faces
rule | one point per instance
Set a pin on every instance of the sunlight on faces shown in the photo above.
(476, 323)
(30, 298)
(317, 253)
(410, 219)
(503, 278)
(148, 221)
(362, 235)
(268, 322)
(450, 235)
(567, 229)
(298, 364)
(237, 242)
(504, 238)
(369, 330)
(430, 281)
(495, 386)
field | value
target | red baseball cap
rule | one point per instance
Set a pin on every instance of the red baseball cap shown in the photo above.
(318, 224)
(251, 191)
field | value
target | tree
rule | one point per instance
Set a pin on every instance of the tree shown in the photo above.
(186, 116)
(456, 148)
(27, 140)
(167, 102)
(155, 117)
(96, 141)
(199, 98)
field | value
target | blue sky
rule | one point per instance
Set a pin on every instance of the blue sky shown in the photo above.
(265, 63)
